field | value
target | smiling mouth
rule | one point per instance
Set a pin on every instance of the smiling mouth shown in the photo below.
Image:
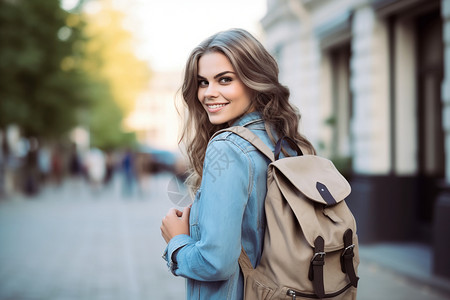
(215, 107)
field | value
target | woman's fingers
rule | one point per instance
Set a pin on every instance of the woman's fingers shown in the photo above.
(178, 213)
(185, 214)
(174, 212)
(175, 222)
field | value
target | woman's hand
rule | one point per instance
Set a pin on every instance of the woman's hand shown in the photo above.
(175, 222)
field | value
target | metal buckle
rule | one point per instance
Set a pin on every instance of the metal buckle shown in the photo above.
(292, 293)
(348, 248)
(321, 254)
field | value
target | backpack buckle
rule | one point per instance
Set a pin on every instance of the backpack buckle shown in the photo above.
(321, 255)
(349, 249)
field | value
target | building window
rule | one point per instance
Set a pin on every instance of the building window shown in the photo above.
(340, 118)
(431, 154)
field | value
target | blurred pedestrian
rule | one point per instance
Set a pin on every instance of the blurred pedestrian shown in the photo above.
(44, 164)
(57, 165)
(96, 168)
(3, 160)
(143, 172)
(74, 162)
(128, 171)
(110, 166)
(230, 79)
(31, 170)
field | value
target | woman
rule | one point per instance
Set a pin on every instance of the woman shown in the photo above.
(229, 80)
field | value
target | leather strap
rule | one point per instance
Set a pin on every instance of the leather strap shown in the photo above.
(316, 267)
(250, 137)
(347, 258)
(291, 142)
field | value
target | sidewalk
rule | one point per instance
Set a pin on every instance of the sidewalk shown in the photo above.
(410, 263)
(74, 243)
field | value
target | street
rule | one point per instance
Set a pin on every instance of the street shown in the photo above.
(74, 242)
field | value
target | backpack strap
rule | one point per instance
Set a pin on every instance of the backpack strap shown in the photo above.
(292, 143)
(316, 267)
(347, 258)
(250, 137)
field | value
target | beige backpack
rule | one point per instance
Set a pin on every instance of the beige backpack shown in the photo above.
(310, 245)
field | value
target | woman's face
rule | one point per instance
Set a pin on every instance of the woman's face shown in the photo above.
(222, 94)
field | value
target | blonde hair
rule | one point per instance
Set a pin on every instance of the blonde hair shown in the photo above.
(258, 70)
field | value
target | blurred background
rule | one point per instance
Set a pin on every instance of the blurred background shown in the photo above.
(89, 156)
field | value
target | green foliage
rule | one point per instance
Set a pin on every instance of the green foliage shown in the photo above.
(343, 164)
(104, 120)
(45, 87)
(35, 92)
(119, 75)
(331, 121)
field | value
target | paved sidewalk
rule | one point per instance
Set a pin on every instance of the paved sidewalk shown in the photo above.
(72, 243)
(75, 243)
(409, 261)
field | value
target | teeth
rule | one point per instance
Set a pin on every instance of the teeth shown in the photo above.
(216, 105)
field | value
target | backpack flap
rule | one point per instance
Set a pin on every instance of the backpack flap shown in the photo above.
(315, 190)
(316, 177)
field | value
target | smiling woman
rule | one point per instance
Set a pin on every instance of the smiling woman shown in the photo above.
(229, 80)
(221, 92)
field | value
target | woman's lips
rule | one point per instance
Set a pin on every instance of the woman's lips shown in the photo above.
(212, 108)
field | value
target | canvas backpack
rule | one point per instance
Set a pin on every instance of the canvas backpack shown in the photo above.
(310, 246)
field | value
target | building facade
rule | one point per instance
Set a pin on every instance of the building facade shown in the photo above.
(372, 81)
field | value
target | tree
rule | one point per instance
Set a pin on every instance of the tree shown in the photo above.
(111, 61)
(61, 69)
(41, 86)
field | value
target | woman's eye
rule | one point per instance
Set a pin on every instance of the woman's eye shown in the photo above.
(225, 80)
(202, 83)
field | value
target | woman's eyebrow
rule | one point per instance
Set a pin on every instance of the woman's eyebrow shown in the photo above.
(222, 73)
(218, 75)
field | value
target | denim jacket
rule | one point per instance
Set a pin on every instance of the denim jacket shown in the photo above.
(228, 211)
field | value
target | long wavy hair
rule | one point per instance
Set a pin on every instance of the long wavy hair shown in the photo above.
(258, 70)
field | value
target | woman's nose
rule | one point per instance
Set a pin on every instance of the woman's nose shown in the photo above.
(211, 91)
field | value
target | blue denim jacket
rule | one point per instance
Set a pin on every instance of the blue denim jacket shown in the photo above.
(228, 211)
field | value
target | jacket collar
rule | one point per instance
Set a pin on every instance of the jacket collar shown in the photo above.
(248, 119)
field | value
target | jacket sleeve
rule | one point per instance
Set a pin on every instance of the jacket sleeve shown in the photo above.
(225, 189)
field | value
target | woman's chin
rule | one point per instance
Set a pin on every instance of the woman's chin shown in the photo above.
(217, 120)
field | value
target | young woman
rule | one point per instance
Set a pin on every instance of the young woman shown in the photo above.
(229, 80)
